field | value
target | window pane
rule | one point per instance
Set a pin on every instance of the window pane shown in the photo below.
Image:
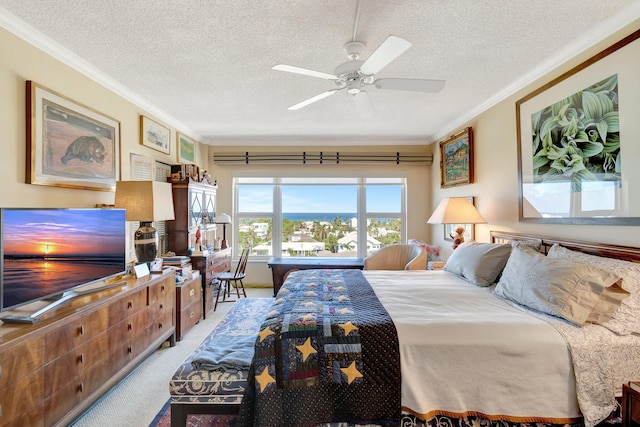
(384, 198)
(255, 233)
(315, 217)
(383, 232)
(255, 198)
(329, 200)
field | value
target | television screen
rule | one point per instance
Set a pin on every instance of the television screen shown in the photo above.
(48, 251)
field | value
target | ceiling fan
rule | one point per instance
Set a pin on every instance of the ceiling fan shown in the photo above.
(354, 75)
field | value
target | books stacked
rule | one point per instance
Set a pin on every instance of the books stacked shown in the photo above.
(181, 264)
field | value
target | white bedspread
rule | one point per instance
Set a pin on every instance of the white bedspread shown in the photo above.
(464, 351)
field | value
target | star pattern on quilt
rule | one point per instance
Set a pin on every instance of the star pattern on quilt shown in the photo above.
(343, 298)
(348, 327)
(306, 349)
(310, 294)
(265, 333)
(308, 316)
(345, 311)
(351, 372)
(264, 379)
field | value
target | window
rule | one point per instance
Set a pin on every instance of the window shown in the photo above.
(318, 216)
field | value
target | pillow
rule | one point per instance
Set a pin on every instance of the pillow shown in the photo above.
(479, 263)
(568, 289)
(626, 320)
(533, 243)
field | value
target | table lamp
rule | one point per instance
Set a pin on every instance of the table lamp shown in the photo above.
(223, 219)
(456, 210)
(145, 201)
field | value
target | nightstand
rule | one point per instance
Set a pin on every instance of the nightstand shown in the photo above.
(631, 404)
(188, 305)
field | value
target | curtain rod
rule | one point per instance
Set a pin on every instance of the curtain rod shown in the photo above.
(321, 157)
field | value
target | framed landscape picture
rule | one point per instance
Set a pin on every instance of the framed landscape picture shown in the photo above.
(69, 144)
(154, 135)
(456, 159)
(578, 142)
(186, 149)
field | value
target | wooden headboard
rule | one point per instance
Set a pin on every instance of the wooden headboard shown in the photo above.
(627, 253)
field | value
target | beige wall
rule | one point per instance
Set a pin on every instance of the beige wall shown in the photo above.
(21, 62)
(496, 173)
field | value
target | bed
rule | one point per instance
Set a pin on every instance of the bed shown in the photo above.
(465, 350)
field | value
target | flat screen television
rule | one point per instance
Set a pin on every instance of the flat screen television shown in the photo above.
(47, 252)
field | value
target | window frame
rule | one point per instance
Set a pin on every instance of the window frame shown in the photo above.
(277, 181)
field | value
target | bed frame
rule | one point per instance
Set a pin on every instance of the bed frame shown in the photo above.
(626, 253)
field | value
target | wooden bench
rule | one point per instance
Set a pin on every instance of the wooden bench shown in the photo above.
(216, 392)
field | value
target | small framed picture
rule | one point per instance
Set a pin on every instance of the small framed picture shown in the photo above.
(154, 135)
(456, 159)
(186, 149)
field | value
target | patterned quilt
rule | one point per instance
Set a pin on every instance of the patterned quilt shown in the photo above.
(327, 352)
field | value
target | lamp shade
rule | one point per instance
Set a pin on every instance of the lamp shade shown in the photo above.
(145, 201)
(223, 219)
(456, 210)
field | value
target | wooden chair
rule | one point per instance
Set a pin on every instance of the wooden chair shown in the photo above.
(225, 280)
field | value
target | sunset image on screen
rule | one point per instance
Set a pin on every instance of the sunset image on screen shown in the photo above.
(61, 233)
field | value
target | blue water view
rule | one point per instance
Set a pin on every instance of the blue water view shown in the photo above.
(317, 216)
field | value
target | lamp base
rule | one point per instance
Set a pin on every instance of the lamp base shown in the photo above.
(145, 242)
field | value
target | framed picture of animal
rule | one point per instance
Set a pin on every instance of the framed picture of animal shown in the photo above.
(70, 144)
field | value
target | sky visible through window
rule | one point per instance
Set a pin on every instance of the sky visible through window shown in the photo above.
(320, 198)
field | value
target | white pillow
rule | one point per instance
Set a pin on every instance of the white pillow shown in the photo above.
(626, 320)
(563, 288)
(479, 263)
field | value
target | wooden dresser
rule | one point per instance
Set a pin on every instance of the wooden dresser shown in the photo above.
(188, 305)
(54, 370)
(210, 267)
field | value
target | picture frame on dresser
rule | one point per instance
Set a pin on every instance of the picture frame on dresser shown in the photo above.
(576, 142)
(69, 144)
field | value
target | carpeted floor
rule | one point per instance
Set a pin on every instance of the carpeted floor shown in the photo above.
(163, 419)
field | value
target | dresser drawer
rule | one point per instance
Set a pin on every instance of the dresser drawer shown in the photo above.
(75, 391)
(188, 292)
(61, 340)
(75, 362)
(131, 303)
(21, 360)
(24, 395)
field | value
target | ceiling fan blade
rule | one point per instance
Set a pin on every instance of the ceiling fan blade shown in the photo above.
(314, 99)
(389, 50)
(304, 71)
(364, 105)
(418, 85)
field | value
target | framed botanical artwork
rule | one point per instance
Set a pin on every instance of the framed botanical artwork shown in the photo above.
(456, 159)
(155, 135)
(69, 144)
(469, 229)
(578, 142)
(186, 149)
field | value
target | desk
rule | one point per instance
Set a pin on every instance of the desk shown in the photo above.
(280, 266)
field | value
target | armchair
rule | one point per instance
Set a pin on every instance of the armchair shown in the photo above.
(397, 257)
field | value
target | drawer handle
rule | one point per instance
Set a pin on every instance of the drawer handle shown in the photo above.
(81, 388)
(129, 304)
(159, 325)
(81, 330)
(191, 315)
(162, 288)
(161, 306)
(129, 327)
(81, 358)
(129, 350)
(192, 292)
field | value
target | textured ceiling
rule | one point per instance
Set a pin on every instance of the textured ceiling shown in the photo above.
(204, 66)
